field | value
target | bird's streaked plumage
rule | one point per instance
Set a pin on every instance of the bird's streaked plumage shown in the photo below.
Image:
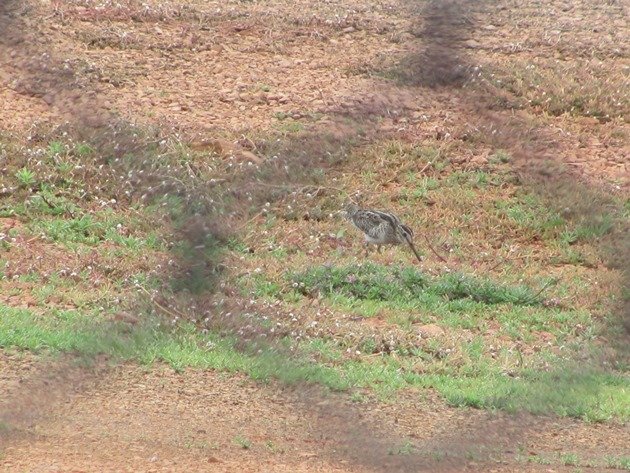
(380, 228)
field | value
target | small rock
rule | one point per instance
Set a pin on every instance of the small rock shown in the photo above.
(472, 44)
(307, 455)
(49, 99)
(479, 160)
(221, 147)
(126, 317)
(227, 98)
(259, 97)
(430, 330)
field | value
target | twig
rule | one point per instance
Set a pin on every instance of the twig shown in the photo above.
(425, 167)
(545, 286)
(503, 260)
(47, 202)
(415, 252)
(302, 188)
(433, 250)
(254, 147)
(54, 207)
(243, 225)
(373, 355)
(161, 307)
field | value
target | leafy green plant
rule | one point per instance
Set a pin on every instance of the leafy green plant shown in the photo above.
(83, 149)
(500, 156)
(64, 167)
(56, 148)
(243, 442)
(570, 459)
(82, 229)
(25, 177)
(406, 448)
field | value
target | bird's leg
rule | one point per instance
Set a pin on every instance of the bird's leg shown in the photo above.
(379, 249)
(367, 249)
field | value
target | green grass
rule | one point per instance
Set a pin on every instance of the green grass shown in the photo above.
(180, 347)
(528, 212)
(579, 87)
(591, 396)
(465, 373)
(541, 460)
(591, 230)
(288, 126)
(571, 391)
(90, 229)
(83, 229)
(573, 459)
(406, 296)
(500, 156)
(243, 442)
(374, 282)
(407, 448)
(463, 366)
(621, 463)
(570, 459)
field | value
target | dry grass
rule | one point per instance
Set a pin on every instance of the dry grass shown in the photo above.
(589, 88)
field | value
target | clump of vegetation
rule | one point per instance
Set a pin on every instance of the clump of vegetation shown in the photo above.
(399, 284)
(25, 177)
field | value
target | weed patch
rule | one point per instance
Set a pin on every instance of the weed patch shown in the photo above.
(406, 285)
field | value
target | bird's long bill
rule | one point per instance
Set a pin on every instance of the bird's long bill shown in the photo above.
(413, 248)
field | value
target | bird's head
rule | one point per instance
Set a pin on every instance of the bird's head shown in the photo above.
(349, 209)
(406, 232)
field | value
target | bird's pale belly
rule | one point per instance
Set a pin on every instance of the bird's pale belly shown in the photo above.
(387, 240)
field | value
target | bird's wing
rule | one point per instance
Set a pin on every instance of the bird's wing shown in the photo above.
(393, 222)
(381, 230)
(391, 218)
(371, 222)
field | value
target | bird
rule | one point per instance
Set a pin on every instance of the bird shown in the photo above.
(380, 228)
